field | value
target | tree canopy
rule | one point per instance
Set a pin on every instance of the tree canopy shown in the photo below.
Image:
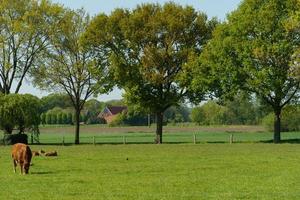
(148, 49)
(69, 67)
(19, 111)
(252, 51)
(25, 28)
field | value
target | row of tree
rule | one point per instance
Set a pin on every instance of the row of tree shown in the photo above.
(160, 55)
(57, 109)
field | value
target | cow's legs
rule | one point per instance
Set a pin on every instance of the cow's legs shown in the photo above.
(21, 166)
(15, 165)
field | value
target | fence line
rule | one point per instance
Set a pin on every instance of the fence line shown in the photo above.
(117, 139)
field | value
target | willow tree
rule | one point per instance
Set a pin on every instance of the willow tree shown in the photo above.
(69, 67)
(147, 49)
(253, 50)
(25, 28)
(21, 112)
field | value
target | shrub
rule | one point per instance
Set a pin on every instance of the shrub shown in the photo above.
(209, 114)
(9, 139)
(290, 119)
(19, 111)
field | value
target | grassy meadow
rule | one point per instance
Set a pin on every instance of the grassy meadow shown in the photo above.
(251, 168)
(181, 171)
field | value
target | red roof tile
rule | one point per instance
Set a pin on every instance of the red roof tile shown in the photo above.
(116, 109)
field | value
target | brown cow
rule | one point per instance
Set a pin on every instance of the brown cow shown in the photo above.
(51, 153)
(21, 154)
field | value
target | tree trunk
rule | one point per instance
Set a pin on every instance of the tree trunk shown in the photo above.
(159, 127)
(277, 126)
(77, 124)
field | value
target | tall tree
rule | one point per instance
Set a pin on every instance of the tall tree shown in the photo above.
(71, 68)
(148, 49)
(25, 28)
(252, 51)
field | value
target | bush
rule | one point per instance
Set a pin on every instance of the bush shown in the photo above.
(10, 139)
(19, 111)
(209, 114)
(119, 120)
(290, 119)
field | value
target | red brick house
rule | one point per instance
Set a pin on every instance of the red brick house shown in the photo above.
(109, 113)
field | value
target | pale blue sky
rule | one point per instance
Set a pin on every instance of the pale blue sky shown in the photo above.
(218, 8)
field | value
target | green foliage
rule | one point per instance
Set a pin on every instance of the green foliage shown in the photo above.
(55, 100)
(19, 111)
(70, 67)
(25, 30)
(130, 118)
(148, 49)
(290, 119)
(53, 118)
(58, 115)
(70, 118)
(114, 103)
(197, 115)
(119, 120)
(59, 118)
(177, 114)
(43, 118)
(209, 114)
(242, 109)
(64, 118)
(48, 118)
(91, 110)
(252, 51)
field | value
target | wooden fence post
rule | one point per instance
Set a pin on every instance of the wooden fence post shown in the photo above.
(94, 140)
(63, 140)
(124, 139)
(195, 139)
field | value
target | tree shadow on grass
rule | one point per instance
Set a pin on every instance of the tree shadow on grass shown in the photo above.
(42, 173)
(288, 141)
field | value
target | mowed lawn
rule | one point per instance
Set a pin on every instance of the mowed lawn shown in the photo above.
(146, 171)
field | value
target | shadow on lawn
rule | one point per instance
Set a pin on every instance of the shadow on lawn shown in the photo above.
(42, 173)
(289, 141)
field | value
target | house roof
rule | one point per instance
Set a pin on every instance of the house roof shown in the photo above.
(116, 109)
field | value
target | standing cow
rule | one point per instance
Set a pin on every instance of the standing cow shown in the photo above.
(21, 154)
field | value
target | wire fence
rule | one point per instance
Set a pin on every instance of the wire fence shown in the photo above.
(117, 139)
(169, 138)
(186, 138)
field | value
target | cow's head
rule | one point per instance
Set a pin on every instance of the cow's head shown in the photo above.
(26, 168)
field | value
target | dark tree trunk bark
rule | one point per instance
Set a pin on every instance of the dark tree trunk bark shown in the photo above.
(159, 127)
(77, 125)
(277, 126)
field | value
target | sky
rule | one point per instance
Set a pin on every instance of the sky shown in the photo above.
(213, 8)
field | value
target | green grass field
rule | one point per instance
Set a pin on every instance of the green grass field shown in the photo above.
(251, 168)
(184, 171)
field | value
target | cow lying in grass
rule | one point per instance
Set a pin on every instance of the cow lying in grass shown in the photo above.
(43, 153)
(21, 154)
(51, 153)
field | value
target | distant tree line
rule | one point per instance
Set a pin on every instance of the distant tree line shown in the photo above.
(57, 109)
